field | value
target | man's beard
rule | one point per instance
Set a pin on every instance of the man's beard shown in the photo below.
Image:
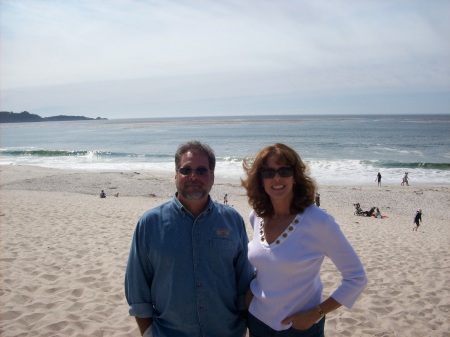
(195, 194)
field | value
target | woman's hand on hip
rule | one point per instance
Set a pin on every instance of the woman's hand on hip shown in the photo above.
(303, 320)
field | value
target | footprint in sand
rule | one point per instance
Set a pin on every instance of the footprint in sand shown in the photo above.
(10, 315)
(33, 318)
(49, 277)
(77, 292)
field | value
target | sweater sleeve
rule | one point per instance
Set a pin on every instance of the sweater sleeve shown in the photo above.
(344, 257)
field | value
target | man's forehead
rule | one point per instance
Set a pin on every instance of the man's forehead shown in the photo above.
(192, 155)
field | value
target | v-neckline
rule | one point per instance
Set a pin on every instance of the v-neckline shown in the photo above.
(282, 237)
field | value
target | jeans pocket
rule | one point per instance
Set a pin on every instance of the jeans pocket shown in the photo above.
(316, 330)
(257, 328)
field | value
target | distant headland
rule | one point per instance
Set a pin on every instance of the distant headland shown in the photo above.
(25, 117)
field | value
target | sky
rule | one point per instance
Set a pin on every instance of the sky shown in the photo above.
(150, 59)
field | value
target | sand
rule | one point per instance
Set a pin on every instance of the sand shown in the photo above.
(63, 252)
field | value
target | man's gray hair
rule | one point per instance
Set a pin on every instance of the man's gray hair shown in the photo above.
(196, 147)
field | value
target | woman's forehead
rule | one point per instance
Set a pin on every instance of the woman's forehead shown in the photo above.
(275, 159)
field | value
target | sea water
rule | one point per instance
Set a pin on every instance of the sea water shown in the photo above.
(338, 149)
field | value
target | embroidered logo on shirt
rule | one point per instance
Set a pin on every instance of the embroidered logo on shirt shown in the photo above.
(223, 233)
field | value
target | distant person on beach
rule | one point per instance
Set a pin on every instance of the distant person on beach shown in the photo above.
(417, 219)
(358, 210)
(102, 194)
(405, 179)
(291, 239)
(317, 200)
(188, 271)
(370, 212)
(378, 178)
(377, 213)
(225, 199)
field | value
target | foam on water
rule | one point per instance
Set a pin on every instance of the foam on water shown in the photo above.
(356, 172)
(325, 172)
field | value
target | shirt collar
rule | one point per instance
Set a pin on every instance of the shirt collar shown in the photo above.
(183, 210)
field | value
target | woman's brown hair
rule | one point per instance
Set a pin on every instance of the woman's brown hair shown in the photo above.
(304, 186)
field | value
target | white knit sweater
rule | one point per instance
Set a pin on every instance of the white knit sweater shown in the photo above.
(288, 270)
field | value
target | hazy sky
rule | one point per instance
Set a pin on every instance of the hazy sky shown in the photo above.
(146, 58)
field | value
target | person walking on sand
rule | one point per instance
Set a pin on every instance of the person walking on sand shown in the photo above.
(317, 200)
(225, 199)
(417, 219)
(405, 180)
(378, 178)
(291, 239)
(188, 272)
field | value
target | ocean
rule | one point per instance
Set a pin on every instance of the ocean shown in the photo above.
(340, 150)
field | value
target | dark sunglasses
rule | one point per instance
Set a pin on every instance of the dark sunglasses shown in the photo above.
(186, 171)
(285, 171)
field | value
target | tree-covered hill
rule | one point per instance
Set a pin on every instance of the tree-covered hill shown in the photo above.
(25, 117)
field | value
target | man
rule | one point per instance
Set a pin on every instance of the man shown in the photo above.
(378, 178)
(188, 271)
(417, 219)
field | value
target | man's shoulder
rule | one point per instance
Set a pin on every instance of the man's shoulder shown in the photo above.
(225, 208)
(158, 209)
(228, 212)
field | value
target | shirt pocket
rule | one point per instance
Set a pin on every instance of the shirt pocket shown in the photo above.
(222, 251)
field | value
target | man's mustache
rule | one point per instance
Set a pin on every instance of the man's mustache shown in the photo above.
(194, 184)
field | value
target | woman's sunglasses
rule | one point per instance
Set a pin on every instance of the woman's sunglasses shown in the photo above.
(285, 171)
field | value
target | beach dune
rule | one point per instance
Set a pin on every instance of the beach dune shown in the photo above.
(63, 252)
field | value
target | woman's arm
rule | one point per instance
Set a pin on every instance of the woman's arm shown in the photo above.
(305, 319)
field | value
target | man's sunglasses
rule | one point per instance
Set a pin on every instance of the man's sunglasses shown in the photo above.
(186, 171)
(285, 171)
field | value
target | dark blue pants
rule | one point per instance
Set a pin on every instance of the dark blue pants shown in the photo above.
(259, 329)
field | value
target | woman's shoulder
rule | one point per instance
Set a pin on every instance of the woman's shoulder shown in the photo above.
(254, 218)
(313, 210)
(317, 216)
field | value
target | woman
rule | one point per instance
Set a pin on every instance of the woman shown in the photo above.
(291, 238)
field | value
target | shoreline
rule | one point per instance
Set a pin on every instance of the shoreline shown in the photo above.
(48, 172)
(160, 185)
(350, 174)
(64, 250)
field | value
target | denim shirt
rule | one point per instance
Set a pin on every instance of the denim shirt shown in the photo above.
(189, 274)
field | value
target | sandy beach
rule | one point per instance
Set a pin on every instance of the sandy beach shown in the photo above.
(63, 252)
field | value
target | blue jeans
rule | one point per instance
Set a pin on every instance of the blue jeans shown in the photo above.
(259, 329)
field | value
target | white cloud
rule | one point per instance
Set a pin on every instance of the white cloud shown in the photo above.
(160, 52)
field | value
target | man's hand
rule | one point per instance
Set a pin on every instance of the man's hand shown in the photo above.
(143, 324)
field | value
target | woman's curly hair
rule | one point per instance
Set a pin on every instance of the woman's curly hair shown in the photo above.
(304, 186)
